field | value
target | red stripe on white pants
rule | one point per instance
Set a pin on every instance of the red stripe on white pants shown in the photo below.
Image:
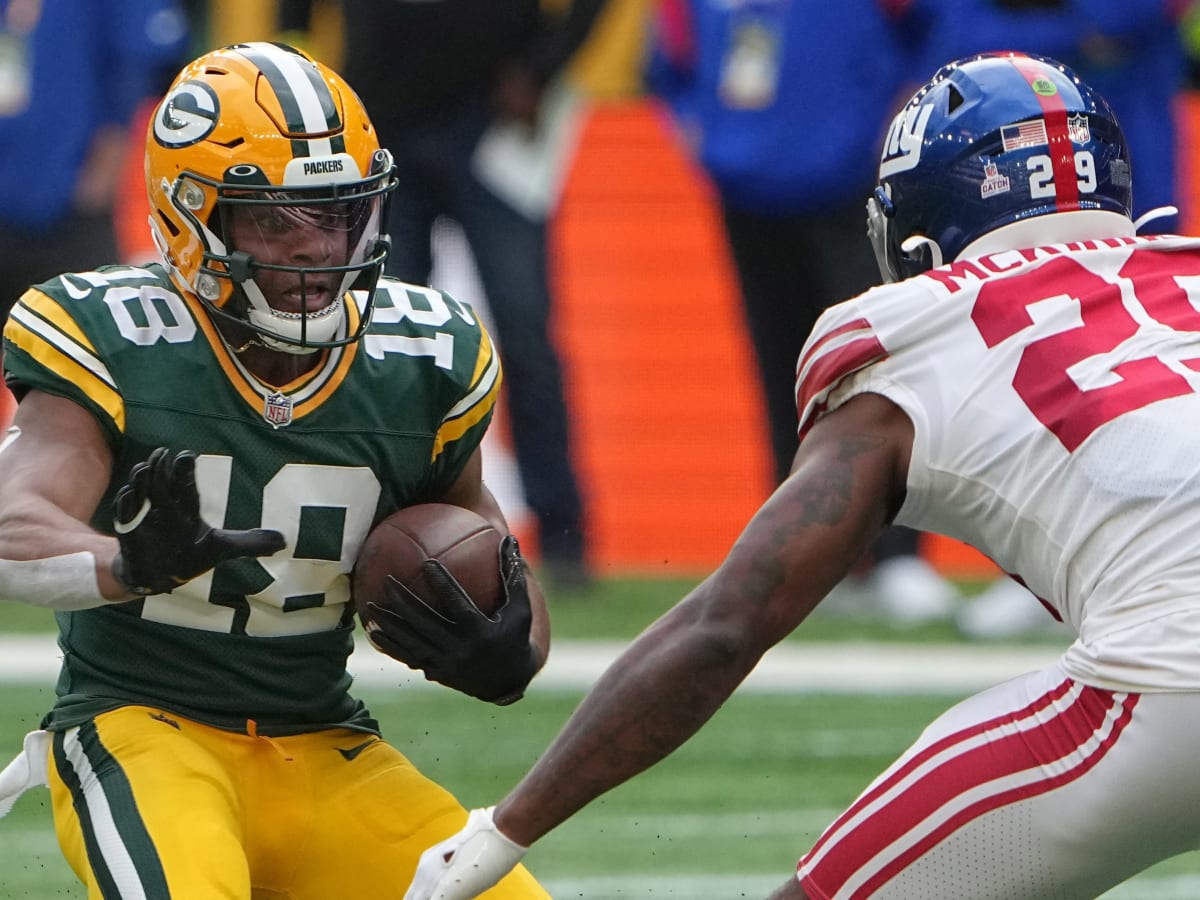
(1051, 741)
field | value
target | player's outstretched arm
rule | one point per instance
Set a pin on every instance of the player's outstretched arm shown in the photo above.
(848, 481)
(55, 466)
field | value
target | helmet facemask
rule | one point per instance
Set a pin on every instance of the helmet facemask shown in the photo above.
(350, 216)
(897, 260)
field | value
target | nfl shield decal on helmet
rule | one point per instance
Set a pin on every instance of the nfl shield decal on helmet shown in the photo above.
(278, 410)
(1077, 128)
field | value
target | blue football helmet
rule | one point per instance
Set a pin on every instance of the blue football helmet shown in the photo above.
(992, 139)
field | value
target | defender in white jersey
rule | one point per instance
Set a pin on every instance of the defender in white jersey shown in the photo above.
(1028, 382)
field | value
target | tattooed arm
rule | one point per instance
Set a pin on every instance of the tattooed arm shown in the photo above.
(847, 481)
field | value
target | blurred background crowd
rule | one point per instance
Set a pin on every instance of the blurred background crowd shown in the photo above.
(650, 201)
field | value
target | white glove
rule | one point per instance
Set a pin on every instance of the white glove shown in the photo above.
(465, 864)
(29, 769)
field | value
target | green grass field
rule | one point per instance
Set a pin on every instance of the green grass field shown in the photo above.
(725, 817)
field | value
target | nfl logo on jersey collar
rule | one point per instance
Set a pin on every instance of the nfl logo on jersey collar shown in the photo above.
(277, 410)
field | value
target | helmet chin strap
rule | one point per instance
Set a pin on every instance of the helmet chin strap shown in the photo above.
(913, 243)
(879, 210)
(283, 331)
(1159, 212)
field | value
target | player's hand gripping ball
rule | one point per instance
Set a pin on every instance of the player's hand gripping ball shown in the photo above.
(438, 588)
(466, 545)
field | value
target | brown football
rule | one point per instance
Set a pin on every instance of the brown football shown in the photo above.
(464, 542)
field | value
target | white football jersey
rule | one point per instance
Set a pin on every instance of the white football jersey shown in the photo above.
(1055, 406)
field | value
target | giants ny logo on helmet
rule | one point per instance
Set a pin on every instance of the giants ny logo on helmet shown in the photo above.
(902, 149)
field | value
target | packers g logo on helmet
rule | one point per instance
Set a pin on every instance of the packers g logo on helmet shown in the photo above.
(187, 115)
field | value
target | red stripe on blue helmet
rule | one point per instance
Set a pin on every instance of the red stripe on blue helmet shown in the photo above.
(1054, 113)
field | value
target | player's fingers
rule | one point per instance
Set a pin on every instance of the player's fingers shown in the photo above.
(408, 652)
(512, 568)
(129, 509)
(432, 866)
(394, 639)
(160, 485)
(402, 600)
(230, 544)
(181, 492)
(408, 620)
(140, 477)
(510, 550)
(456, 604)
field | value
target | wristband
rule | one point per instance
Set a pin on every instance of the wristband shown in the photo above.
(65, 582)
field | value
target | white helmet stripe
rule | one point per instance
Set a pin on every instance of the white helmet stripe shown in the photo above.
(308, 105)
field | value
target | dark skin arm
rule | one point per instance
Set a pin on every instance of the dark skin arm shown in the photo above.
(54, 474)
(471, 493)
(846, 483)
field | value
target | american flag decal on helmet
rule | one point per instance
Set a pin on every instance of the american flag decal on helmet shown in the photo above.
(308, 106)
(1024, 134)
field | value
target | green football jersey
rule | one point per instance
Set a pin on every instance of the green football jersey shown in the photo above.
(382, 423)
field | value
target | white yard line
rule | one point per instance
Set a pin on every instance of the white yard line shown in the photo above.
(790, 668)
(853, 668)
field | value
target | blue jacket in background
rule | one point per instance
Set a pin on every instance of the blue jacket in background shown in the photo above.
(836, 72)
(90, 62)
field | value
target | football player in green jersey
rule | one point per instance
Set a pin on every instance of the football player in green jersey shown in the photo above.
(200, 448)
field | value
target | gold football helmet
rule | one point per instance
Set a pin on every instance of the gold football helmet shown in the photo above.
(265, 126)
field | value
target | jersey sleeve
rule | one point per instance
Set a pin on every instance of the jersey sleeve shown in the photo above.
(51, 345)
(472, 397)
(879, 342)
(842, 343)
(443, 372)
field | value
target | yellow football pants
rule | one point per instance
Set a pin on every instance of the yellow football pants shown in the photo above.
(147, 804)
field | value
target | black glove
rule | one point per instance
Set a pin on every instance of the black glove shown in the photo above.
(487, 657)
(164, 542)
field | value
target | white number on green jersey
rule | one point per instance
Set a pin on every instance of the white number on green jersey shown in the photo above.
(322, 584)
(422, 306)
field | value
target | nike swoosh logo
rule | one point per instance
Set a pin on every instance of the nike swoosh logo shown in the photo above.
(351, 753)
